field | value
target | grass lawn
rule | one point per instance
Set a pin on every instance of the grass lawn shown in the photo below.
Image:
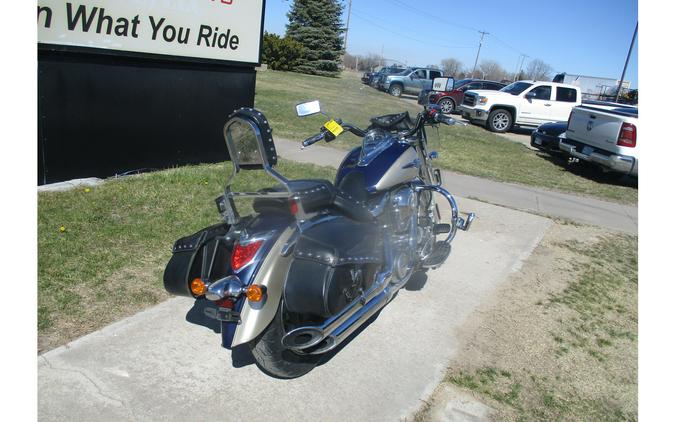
(108, 261)
(469, 150)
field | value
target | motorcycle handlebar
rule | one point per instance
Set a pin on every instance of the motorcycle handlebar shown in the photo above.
(433, 115)
(313, 139)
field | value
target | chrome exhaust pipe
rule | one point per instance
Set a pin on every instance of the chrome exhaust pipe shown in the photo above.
(349, 326)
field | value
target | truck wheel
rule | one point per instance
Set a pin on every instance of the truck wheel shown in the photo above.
(395, 90)
(273, 358)
(447, 105)
(500, 120)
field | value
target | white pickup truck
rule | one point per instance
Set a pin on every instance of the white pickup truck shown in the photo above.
(605, 135)
(522, 103)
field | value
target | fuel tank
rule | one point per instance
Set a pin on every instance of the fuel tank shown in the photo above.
(394, 163)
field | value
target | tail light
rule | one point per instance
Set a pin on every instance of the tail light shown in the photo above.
(243, 254)
(627, 135)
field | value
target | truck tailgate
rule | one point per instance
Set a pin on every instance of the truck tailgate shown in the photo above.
(593, 127)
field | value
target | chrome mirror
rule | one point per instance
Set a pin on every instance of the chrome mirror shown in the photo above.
(308, 108)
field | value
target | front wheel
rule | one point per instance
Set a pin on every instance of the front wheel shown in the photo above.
(395, 90)
(499, 120)
(275, 359)
(447, 106)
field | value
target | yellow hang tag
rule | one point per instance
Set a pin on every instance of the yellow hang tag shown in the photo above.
(334, 127)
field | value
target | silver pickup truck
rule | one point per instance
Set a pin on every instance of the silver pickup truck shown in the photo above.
(604, 134)
(412, 81)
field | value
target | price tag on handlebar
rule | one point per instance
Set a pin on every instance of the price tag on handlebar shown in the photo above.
(333, 127)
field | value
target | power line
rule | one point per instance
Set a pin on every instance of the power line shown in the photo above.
(357, 13)
(400, 4)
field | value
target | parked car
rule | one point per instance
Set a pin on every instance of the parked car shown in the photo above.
(547, 137)
(522, 103)
(375, 77)
(604, 135)
(365, 78)
(449, 100)
(412, 81)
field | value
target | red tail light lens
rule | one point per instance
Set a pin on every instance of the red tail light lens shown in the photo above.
(627, 136)
(242, 254)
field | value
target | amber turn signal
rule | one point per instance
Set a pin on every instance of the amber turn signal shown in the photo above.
(197, 287)
(255, 293)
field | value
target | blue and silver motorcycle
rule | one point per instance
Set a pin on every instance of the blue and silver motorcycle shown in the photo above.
(314, 260)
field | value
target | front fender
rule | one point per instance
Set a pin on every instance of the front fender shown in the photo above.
(256, 317)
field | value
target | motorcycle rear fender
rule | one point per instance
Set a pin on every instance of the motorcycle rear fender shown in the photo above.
(255, 317)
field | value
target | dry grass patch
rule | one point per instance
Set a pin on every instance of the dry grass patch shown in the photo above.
(559, 341)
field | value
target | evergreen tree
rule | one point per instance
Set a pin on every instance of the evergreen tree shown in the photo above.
(317, 25)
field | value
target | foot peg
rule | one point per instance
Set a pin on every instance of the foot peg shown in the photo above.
(442, 228)
(463, 224)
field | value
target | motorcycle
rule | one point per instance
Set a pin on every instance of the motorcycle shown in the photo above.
(315, 259)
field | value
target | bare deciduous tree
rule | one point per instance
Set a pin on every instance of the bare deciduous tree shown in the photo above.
(539, 70)
(370, 62)
(451, 66)
(492, 70)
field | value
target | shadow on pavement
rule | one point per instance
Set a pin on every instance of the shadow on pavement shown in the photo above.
(242, 356)
(590, 171)
(196, 316)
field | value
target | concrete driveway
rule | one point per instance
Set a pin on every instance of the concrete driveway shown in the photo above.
(161, 364)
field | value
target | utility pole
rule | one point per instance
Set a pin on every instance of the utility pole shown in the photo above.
(480, 44)
(349, 15)
(623, 74)
(520, 65)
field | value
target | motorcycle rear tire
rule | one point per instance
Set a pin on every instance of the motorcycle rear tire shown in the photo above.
(275, 359)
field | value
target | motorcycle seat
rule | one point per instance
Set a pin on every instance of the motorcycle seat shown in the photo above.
(315, 195)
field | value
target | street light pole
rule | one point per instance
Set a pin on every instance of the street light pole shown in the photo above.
(623, 74)
(480, 44)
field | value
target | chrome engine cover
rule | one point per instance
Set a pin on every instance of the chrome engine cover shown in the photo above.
(411, 219)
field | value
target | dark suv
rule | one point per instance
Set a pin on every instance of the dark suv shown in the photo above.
(448, 100)
(372, 78)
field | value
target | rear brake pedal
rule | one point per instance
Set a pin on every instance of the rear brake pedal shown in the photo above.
(463, 224)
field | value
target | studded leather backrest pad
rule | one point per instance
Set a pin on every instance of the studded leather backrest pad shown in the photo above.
(261, 121)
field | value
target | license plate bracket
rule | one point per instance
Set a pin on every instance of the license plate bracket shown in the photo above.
(222, 314)
(586, 150)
